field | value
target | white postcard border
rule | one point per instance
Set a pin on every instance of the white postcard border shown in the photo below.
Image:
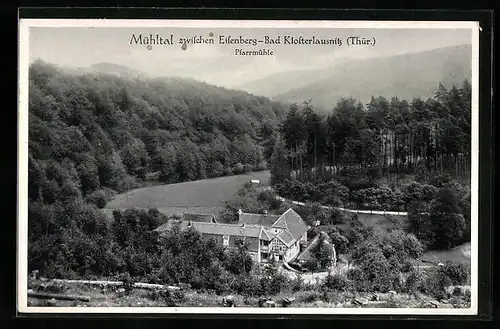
(22, 222)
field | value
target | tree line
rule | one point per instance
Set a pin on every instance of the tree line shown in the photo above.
(93, 135)
(104, 131)
(384, 138)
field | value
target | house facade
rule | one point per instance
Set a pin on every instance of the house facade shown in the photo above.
(267, 236)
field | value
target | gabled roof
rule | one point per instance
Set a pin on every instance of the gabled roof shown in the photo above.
(266, 235)
(291, 221)
(257, 219)
(286, 237)
(207, 218)
(307, 253)
(280, 223)
(216, 228)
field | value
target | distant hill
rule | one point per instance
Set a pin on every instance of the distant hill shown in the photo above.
(119, 70)
(404, 76)
(282, 82)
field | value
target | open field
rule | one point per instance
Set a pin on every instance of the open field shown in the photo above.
(200, 196)
(459, 254)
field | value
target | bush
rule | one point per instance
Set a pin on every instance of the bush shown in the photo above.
(238, 168)
(457, 272)
(359, 279)
(127, 282)
(269, 198)
(99, 198)
(260, 167)
(274, 283)
(312, 264)
(170, 298)
(247, 168)
(336, 282)
(246, 285)
(297, 284)
(435, 284)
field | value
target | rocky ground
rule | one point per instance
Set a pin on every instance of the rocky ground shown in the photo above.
(107, 296)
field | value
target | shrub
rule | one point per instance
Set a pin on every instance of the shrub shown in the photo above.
(261, 166)
(98, 198)
(127, 282)
(457, 272)
(228, 171)
(238, 168)
(170, 298)
(274, 282)
(246, 285)
(359, 279)
(457, 291)
(308, 296)
(297, 284)
(269, 198)
(435, 284)
(247, 168)
(336, 282)
(54, 288)
(215, 169)
(312, 264)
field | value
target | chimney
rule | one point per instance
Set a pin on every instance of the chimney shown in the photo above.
(265, 212)
(243, 225)
(189, 224)
(240, 212)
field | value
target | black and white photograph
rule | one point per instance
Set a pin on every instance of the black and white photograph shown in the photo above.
(248, 167)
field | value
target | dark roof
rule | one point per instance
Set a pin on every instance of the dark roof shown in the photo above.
(291, 221)
(206, 218)
(266, 235)
(250, 225)
(216, 228)
(306, 254)
(286, 237)
(257, 219)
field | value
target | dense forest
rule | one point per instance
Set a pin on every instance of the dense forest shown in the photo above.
(390, 155)
(387, 136)
(363, 148)
(92, 135)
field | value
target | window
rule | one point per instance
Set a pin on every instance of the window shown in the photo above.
(225, 240)
(276, 245)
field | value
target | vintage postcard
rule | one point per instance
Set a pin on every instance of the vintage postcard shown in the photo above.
(248, 167)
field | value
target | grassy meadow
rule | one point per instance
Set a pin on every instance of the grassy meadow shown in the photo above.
(202, 196)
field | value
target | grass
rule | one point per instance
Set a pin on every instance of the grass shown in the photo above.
(381, 223)
(202, 196)
(303, 299)
(459, 254)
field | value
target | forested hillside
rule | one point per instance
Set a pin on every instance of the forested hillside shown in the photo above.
(390, 155)
(111, 131)
(91, 135)
(386, 137)
(402, 76)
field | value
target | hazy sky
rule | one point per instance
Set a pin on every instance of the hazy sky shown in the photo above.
(217, 64)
